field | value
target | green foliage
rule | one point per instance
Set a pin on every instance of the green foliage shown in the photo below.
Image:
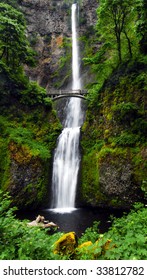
(117, 119)
(14, 52)
(118, 41)
(19, 241)
(31, 131)
(144, 187)
(126, 139)
(128, 236)
(102, 68)
(93, 96)
(141, 25)
(47, 102)
(141, 80)
(121, 21)
(125, 240)
(4, 153)
(13, 3)
(34, 94)
(125, 111)
(14, 46)
(27, 137)
(90, 234)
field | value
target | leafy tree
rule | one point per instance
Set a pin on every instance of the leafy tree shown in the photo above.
(116, 24)
(14, 46)
(13, 3)
(142, 25)
(15, 51)
(121, 37)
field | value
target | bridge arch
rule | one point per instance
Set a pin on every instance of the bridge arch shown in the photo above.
(67, 96)
(58, 94)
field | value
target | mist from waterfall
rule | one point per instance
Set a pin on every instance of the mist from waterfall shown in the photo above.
(67, 156)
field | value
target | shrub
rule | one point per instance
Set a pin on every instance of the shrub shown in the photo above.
(90, 234)
(125, 112)
(34, 94)
(125, 240)
(20, 242)
(128, 236)
(126, 139)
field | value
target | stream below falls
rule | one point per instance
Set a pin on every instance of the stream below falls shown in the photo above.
(77, 220)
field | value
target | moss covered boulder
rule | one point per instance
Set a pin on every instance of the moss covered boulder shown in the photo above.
(66, 244)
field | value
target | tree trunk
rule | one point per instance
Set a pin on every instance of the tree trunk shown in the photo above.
(119, 48)
(129, 44)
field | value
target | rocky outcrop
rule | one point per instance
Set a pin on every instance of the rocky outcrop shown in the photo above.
(27, 177)
(113, 145)
(117, 180)
(115, 177)
(41, 222)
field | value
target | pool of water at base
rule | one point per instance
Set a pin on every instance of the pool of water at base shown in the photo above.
(77, 220)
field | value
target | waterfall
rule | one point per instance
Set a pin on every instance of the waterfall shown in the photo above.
(67, 156)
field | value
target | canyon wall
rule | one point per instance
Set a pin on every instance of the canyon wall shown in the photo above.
(49, 31)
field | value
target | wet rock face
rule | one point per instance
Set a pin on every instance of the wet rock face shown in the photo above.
(46, 27)
(26, 178)
(115, 179)
(46, 16)
(48, 24)
(24, 183)
(88, 13)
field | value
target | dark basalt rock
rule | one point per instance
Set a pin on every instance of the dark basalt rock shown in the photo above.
(48, 25)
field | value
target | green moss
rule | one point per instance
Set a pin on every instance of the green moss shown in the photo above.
(27, 140)
(90, 179)
(140, 165)
(4, 162)
(115, 129)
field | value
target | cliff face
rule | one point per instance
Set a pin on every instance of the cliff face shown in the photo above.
(114, 142)
(49, 30)
(28, 137)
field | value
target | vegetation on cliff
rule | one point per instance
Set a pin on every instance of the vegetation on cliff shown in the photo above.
(114, 133)
(28, 124)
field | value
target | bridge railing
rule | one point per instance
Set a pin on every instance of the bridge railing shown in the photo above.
(68, 92)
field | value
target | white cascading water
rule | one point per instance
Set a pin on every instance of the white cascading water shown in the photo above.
(67, 156)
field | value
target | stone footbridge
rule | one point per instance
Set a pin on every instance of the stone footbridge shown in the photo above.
(57, 94)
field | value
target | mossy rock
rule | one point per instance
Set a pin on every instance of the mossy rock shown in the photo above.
(66, 244)
(113, 177)
(85, 244)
